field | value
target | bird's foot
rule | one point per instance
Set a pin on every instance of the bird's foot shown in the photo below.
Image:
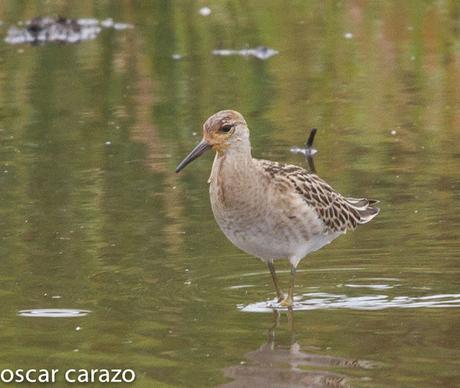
(286, 302)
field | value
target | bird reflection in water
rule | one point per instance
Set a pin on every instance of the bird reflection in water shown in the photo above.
(285, 364)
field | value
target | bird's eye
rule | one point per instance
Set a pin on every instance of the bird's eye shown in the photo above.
(226, 128)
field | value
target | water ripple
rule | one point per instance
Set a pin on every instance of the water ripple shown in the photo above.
(53, 313)
(322, 300)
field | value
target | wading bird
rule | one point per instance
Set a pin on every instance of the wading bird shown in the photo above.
(269, 209)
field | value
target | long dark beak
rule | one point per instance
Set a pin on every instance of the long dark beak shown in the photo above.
(200, 149)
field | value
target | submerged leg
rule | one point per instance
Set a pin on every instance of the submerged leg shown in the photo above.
(279, 293)
(288, 301)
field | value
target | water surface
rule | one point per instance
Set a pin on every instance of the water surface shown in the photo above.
(93, 218)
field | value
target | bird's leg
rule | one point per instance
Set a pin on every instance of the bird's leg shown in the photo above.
(288, 301)
(279, 293)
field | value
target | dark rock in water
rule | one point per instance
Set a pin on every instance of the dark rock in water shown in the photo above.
(260, 52)
(48, 29)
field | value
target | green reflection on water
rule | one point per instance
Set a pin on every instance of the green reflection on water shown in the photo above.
(93, 217)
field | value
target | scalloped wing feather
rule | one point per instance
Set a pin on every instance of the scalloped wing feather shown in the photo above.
(337, 212)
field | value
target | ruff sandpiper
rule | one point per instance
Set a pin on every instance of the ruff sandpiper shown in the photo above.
(268, 209)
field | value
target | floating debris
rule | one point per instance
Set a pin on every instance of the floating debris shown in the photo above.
(88, 22)
(348, 35)
(47, 29)
(205, 11)
(109, 23)
(62, 30)
(122, 26)
(177, 57)
(260, 52)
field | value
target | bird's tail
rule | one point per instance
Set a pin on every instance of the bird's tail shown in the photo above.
(365, 207)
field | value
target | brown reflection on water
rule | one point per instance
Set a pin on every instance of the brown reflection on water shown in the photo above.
(282, 363)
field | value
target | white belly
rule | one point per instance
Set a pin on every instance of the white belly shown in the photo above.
(267, 233)
(271, 246)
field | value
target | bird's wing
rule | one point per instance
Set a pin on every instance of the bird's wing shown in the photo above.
(338, 213)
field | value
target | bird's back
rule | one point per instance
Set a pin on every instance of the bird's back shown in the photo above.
(338, 213)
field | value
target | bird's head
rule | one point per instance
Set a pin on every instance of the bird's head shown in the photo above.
(223, 130)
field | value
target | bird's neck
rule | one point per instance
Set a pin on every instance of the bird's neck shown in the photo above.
(239, 151)
(235, 163)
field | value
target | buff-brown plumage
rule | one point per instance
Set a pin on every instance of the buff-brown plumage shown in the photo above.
(269, 209)
(338, 213)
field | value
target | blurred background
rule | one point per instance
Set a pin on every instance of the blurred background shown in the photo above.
(93, 217)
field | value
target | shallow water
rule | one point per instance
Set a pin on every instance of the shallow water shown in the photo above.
(95, 223)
